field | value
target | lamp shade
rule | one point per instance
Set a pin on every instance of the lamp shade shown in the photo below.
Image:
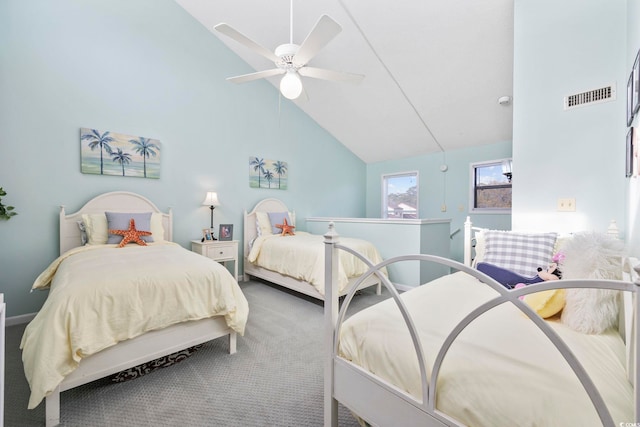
(211, 199)
(291, 85)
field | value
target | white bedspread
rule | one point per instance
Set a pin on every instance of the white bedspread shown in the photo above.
(302, 256)
(502, 372)
(101, 295)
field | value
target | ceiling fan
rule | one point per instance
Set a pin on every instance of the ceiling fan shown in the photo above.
(291, 59)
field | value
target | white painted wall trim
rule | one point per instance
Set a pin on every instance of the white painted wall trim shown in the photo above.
(381, 221)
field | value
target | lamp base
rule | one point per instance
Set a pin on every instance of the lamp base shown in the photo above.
(212, 236)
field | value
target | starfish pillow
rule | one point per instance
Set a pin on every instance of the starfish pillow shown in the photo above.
(286, 228)
(131, 235)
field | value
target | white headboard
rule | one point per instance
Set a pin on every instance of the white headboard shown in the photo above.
(250, 230)
(115, 201)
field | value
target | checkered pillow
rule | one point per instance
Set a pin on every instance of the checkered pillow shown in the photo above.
(522, 253)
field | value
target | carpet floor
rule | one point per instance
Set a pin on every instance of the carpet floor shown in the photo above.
(274, 379)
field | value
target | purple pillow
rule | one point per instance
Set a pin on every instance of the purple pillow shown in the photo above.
(506, 278)
(278, 218)
(120, 221)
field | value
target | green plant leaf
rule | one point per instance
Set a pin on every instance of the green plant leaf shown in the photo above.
(6, 212)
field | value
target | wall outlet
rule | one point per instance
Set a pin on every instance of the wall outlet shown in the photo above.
(567, 205)
(443, 208)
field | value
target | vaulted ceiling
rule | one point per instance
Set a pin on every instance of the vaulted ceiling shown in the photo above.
(434, 69)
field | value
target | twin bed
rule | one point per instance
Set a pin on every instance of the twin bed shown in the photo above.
(111, 308)
(465, 350)
(297, 261)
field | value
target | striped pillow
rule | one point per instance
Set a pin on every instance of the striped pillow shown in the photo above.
(522, 253)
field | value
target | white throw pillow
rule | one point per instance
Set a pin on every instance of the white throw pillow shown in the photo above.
(591, 256)
(96, 228)
(157, 229)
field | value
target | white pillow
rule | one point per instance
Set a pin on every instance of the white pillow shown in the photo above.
(591, 256)
(96, 228)
(263, 225)
(157, 229)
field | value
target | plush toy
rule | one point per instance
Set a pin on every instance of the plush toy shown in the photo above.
(510, 279)
(545, 303)
(551, 302)
(551, 273)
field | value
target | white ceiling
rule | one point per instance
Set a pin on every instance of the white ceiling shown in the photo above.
(434, 68)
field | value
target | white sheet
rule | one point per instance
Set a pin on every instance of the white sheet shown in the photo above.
(101, 295)
(302, 256)
(502, 372)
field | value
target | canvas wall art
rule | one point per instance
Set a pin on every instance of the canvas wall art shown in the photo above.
(110, 153)
(264, 173)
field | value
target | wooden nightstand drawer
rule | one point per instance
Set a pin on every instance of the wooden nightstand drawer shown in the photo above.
(220, 252)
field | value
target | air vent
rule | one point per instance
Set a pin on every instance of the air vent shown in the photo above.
(590, 97)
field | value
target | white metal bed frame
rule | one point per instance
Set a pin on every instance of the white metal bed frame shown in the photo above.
(381, 403)
(250, 269)
(143, 348)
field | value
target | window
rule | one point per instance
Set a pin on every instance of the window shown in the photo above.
(491, 186)
(400, 195)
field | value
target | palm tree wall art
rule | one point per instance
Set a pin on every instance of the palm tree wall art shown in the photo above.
(265, 173)
(111, 153)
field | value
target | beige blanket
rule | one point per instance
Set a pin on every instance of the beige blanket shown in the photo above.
(502, 372)
(302, 256)
(101, 295)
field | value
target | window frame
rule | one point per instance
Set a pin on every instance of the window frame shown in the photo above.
(472, 187)
(384, 185)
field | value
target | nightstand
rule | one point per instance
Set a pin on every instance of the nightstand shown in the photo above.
(220, 251)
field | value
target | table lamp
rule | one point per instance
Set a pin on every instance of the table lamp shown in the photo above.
(211, 200)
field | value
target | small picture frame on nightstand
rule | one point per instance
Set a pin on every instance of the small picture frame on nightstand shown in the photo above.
(226, 232)
(206, 235)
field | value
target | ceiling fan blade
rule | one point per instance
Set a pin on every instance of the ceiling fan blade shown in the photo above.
(321, 73)
(246, 41)
(322, 33)
(255, 76)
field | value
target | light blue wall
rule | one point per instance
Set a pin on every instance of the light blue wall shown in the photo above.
(437, 188)
(146, 68)
(633, 184)
(562, 48)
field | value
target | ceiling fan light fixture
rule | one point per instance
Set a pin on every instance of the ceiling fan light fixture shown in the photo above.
(291, 85)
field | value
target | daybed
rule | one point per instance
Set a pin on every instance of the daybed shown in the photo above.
(296, 262)
(110, 308)
(466, 350)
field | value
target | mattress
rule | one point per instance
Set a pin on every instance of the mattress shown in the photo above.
(301, 256)
(101, 295)
(501, 371)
